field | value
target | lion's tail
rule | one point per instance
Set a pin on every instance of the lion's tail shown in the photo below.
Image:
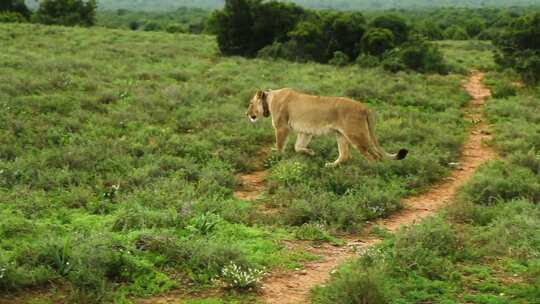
(402, 153)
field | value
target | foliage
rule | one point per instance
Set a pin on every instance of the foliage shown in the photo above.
(181, 20)
(518, 48)
(244, 27)
(11, 17)
(377, 41)
(164, 5)
(67, 12)
(395, 24)
(474, 27)
(339, 59)
(15, 7)
(456, 33)
(423, 56)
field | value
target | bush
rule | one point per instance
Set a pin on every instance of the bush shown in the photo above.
(174, 28)
(367, 61)
(134, 25)
(243, 27)
(308, 37)
(287, 50)
(474, 27)
(152, 26)
(455, 33)
(502, 181)
(504, 90)
(423, 57)
(392, 62)
(346, 31)
(426, 249)
(67, 12)
(353, 284)
(395, 24)
(15, 6)
(233, 276)
(431, 30)
(519, 48)
(377, 41)
(11, 17)
(339, 59)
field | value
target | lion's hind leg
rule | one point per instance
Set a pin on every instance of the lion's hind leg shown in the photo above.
(302, 141)
(344, 152)
(361, 143)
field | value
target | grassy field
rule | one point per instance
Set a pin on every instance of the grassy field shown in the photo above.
(485, 249)
(119, 151)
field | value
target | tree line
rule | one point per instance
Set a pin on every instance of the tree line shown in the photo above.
(285, 30)
(62, 12)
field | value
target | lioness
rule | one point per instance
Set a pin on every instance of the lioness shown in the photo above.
(310, 115)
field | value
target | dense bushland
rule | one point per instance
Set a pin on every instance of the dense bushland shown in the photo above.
(276, 30)
(519, 48)
(66, 12)
(16, 8)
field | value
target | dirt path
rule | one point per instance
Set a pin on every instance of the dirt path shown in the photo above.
(289, 288)
(253, 186)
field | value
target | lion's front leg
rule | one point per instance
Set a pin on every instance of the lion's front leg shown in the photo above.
(281, 138)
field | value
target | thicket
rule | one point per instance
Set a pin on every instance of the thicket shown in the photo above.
(66, 12)
(276, 30)
(17, 9)
(58, 12)
(519, 48)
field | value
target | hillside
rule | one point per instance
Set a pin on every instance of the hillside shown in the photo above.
(162, 5)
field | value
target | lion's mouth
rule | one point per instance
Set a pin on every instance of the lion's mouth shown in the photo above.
(253, 118)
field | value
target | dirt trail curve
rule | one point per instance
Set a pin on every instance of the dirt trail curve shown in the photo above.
(293, 288)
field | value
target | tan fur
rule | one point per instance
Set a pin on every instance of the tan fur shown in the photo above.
(310, 115)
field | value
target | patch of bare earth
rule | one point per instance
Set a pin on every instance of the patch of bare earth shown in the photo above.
(252, 186)
(289, 288)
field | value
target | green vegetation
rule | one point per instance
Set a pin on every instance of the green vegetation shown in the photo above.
(182, 20)
(15, 7)
(276, 30)
(164, 5)
(118, 152)
(119, 149)
(519, 48)
(485, 248)
(66, 12)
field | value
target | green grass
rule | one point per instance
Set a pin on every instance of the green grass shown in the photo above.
(485, 249)
(119, 150)
(468, 54)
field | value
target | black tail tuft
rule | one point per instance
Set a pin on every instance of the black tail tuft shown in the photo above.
(402, 154)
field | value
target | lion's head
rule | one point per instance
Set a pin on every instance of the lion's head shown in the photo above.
(258, 106)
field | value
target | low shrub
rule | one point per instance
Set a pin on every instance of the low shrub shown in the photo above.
(502, 181)
(234, 276)
(339, 59)
(353, 284)
(11, 17)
